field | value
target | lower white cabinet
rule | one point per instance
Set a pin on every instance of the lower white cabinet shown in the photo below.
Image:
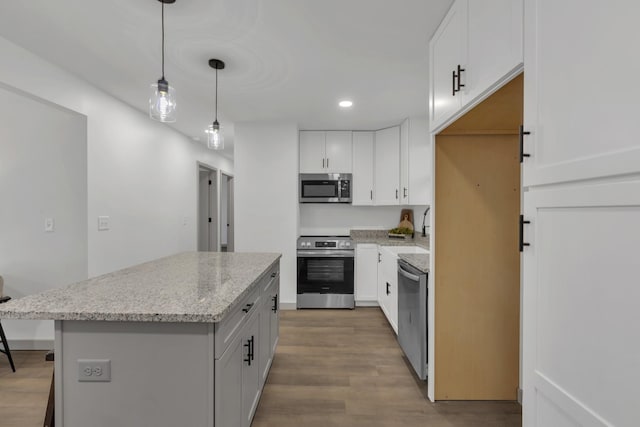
(241, 370)
(388, 286)
(366, 288)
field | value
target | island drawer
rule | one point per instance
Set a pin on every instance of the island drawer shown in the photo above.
(227, 329)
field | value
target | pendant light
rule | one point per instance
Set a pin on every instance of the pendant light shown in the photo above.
(162, 103)
(215, 140)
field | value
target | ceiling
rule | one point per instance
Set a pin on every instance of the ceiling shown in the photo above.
(287, 60)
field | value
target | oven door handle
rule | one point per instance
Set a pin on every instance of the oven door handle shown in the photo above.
(326, 254)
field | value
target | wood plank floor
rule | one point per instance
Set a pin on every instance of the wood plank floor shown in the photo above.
(345, 368)
(332, 368)
(24, 394)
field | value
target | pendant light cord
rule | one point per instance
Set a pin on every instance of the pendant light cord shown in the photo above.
(162, 41)
(216, 94)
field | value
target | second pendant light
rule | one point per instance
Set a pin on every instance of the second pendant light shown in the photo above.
(215, 140)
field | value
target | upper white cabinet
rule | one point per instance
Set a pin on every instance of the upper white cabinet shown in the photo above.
(415, 162)
(387, 166)
(446, 54)
(325, 152)
(477, 45)
(494, 44)
(363, 175)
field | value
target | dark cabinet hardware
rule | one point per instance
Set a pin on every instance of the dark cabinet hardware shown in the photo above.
(275, 303)
(248, 347)
(274, 274)
(521, 239)
(460, 85)
(322, 163)
(388, 286)
(522, 153)
(405, 192)
(379, 257)
(327, 162)
(252, 341)
(247, 307)
(371, 194)
(453, 83)
(396, 193)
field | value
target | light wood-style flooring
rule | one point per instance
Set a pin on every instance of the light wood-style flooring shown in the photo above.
(24, 394)
(332, 368)
(345, 368)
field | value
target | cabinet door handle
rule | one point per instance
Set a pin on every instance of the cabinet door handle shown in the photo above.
(327, 163)
(274, 274)
(248, 347)
(253, 354)
(521, 240)
(379, 257)
(388, 291)
(323, 163)
(396, 193)
(275, 303)
(247, 307)
(460, 70)
(522, 134)
(405, 192)
(453, 83)
(371, 194)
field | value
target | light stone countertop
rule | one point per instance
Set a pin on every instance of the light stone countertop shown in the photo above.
(419, 261)
(379, 237)
(186, 287)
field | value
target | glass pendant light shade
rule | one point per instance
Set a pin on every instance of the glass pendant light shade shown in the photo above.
(162, 103)
(215, 139)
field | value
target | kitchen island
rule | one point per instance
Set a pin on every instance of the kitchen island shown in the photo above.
(185, 340)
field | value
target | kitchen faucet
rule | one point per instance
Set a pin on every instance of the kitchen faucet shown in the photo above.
(424, 218)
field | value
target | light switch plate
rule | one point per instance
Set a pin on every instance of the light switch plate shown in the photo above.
(94, 370)
(49, 225)
(103, 223)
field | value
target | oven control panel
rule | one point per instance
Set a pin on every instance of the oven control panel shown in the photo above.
(325, 242)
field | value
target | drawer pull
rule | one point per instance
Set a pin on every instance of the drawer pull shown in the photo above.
(247, 307)
(275, 303)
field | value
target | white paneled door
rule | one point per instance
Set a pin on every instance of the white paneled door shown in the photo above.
(581, 340)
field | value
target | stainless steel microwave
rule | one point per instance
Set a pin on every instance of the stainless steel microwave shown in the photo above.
(325, 188)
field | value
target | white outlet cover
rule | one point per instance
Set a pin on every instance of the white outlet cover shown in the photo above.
(103, 223)
(49, 225)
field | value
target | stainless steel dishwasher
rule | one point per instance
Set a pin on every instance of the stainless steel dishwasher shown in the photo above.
(412, 316)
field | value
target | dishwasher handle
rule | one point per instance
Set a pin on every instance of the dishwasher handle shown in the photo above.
(408, 275)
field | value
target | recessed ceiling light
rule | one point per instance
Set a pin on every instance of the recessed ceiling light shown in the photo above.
(345, 104)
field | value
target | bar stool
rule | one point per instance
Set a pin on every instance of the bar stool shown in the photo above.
(3, 338)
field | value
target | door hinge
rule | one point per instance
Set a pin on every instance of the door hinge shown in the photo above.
(522, 134)
(521, 238)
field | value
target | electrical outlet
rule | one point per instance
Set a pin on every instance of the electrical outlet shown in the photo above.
(103, 223)
(94, 370)
(49, 225)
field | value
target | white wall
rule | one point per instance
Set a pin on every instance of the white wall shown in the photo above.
(43, 174)
(330, 219)
(141, 173)
(266, 195)
(224, 202)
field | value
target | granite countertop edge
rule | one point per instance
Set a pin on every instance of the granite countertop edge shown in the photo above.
(8, 313)
(419, 261)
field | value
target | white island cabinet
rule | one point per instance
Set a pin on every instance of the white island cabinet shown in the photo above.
(184, 340)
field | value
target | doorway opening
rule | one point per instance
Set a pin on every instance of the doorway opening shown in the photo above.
(207, 209)
(226, 213)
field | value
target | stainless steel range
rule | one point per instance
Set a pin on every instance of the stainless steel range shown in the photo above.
(325, 272)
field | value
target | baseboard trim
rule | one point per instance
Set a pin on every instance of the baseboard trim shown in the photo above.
(288, 306)
(31, 344)
(367, 304)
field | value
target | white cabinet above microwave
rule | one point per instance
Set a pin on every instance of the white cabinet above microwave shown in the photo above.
(325, 151)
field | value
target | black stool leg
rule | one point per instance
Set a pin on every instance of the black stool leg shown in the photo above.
(6, 351)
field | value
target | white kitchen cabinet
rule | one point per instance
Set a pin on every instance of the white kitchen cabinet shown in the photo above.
(579, 292)
(387, 166)
(338, 151)
(446, 53)
(476, 47)
(388, 286)
(366, 288)
(363, 163)
(325, 152)
(404, 162)
(269, 323)
(312, 159)
(494, 44)
(415, 162)
(251, 374)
